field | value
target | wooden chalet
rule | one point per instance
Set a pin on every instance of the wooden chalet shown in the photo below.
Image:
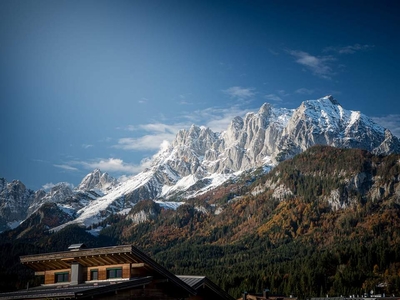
(118, 272)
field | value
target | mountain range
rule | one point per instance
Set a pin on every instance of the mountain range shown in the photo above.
(303, 202)
(199, 160)
(326, 221)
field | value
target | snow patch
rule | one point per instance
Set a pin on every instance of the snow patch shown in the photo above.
(66, 209)
(201, 209)
(281, 192)
(95, 231)
(14, 224)
(183, 184)
(169, 204)
(215, 181)
(218, 210)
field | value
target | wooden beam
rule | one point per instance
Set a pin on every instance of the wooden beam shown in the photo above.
(109, 260)
(138, 265)
(79, 253)
(68, 259)
(102, 260)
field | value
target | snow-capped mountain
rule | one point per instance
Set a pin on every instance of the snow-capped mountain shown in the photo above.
(15, 199)
(97, 181)
(199, 159)
(325, 122)
(17, 202)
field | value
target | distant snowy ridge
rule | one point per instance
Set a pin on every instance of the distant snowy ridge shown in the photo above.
(17, 202)
(199, 159)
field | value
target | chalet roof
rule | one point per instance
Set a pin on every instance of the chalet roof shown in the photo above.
(193, 281)
(85, 256)
(100, 257)
(75, 247)
(114, 255)
(77, 291)
(199, 282)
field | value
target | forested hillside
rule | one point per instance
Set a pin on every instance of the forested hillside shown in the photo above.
(325, 222)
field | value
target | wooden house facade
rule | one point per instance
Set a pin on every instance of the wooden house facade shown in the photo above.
(117, 272)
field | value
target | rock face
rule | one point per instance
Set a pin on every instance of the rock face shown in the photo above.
(198, 155)
(97, 180)
(199, 159)
(272, 135)
(17, 202)
(57, 194)
(247, 143)
(15, 199)
(325, 122)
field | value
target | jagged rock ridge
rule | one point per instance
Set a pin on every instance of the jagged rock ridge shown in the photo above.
(199, 159)
(17, 202)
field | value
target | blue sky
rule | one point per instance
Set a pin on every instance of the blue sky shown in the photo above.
(100, 84)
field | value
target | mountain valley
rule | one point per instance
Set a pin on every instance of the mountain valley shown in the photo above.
(303, 201)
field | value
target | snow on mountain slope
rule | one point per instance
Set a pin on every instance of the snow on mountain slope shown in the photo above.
(112, 202)
(325, 122)
(169, 204)
(199, 159)
(97, 180)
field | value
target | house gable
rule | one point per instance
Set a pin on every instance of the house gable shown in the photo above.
(117, 272)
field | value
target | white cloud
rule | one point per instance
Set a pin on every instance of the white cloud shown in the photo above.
(304, 91)
(154, 134)
(317, 65)
(165, 145)
(66, 167)
(219, 125)
(273, 97)
(160, 127)
(157, 136)
(157, 133)
(146, 142)
(142, 101)
(86, 146)
(391, 122)
(48, 186)
(283, 93)
(105, 140)
(112, 165)
(124, 178)
(184, 102)
(183, 99)
(349, 49)
(217, 119)
(239, 93)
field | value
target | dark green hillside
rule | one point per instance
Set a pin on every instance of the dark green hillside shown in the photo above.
(325, 222)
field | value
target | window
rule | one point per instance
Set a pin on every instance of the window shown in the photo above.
(62, 277)
(94, 274)
(114, 273)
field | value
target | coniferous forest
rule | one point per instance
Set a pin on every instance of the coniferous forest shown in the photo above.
(326, 222)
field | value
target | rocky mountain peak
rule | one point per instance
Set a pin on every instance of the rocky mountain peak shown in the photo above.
(265, 109)
(15, 199)
(391, 144)
(332, 100)
(97, 180)
(194, 131)
(199, 159)
(16, 186)
(58, 193)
